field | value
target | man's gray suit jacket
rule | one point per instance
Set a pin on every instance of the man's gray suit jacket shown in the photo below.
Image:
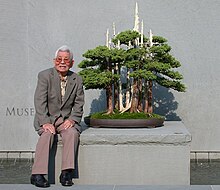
(47, 99)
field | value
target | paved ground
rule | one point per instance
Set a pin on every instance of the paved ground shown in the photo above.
(111, 187)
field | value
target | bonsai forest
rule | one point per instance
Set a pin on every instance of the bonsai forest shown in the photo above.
(128, 66)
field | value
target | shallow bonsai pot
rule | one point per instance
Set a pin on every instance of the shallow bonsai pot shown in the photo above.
(125, 123)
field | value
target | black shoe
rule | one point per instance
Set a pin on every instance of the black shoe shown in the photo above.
(66, 179)
(39, 180)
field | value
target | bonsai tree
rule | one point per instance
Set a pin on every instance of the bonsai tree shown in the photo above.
(99, 71)
(128, 68)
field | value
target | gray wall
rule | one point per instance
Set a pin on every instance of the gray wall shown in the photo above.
(31, 31)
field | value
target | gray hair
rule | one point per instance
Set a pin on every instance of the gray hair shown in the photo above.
(64, 48)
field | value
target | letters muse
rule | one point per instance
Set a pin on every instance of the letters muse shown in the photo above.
(19, 111)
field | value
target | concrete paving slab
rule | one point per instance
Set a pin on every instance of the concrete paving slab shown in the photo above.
(110, 187)
(93, 187)
(55, 187)
(215, 187)
(164, 187)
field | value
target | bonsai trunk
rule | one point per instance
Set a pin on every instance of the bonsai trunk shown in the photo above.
(150, 97)
(140, 99)
(109, 99)
(116, 97)
(146, 97)
(134, 101)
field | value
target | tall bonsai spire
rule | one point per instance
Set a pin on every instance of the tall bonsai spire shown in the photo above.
(113, 27)
(142, 33)
(136, 19)
(107, 38)
(151, 38)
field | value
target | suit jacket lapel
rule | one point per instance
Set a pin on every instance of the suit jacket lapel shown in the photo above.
(56, 82)
(71, 82)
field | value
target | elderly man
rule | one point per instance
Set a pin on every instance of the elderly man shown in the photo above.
(59, 100)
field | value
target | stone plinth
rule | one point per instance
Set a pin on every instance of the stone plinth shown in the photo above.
(137, 156)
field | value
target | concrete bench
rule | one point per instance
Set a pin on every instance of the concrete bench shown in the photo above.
(134, 156)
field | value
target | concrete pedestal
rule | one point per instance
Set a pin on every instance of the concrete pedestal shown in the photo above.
(138, 156)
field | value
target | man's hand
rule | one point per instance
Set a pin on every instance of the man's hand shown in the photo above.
(68, 123)
(49, 127)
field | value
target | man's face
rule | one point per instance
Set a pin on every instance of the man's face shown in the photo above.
(62, 62)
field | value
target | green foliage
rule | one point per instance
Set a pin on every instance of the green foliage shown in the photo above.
(125, 115)
(159, 39)
(97, 79)
(176, 85)
(160, 50)
(100, 53)
(135, 58)
(98, 65)
(157, 66)
(87, 63)
(126, 36)
(149, 63)
(117, 55)
(174, 75)
(167, 58)
(132, 64)
(135, 54)
(145, 74)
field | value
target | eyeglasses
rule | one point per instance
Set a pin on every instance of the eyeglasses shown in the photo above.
(61, 60)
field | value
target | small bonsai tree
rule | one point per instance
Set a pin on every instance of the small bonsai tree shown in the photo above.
(127, 70)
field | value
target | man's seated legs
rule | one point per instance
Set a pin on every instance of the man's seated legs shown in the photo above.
(70, 140)
(40, 166)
